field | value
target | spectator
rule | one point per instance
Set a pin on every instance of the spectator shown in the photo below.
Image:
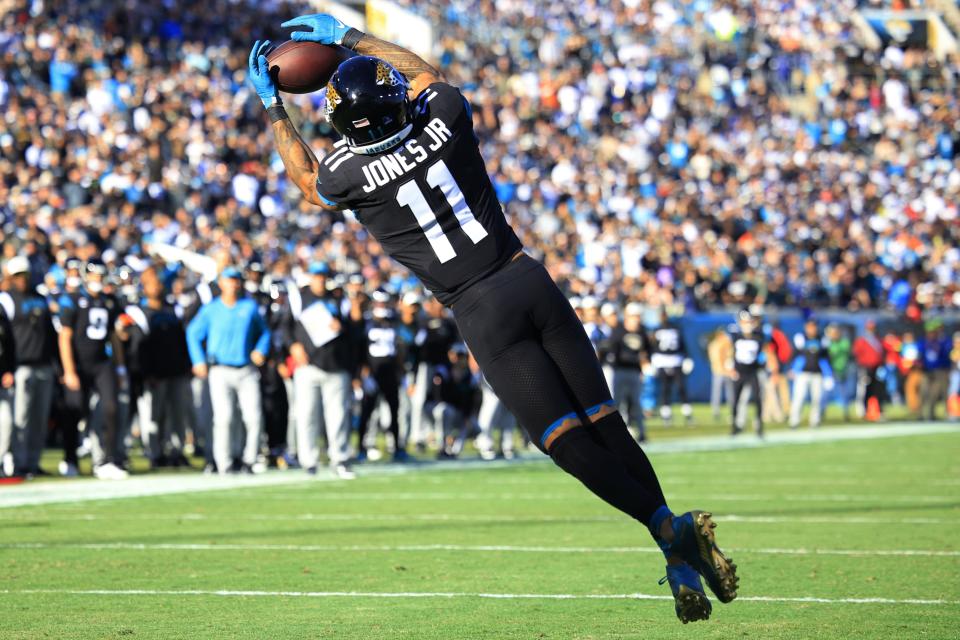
(811, 374)
(228, 339)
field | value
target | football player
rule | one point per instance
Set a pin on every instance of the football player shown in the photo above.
(408, 165)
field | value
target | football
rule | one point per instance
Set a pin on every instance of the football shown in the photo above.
(304, 67)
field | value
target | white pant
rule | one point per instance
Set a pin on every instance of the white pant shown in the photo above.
(493, 414)
(803, 382)
(232, 388)
(322, 396)
(33, 397)
(202, 416)
(421, 416)
(6, 421)
(164, 412)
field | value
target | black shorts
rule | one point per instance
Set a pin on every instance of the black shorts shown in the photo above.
(533, 350)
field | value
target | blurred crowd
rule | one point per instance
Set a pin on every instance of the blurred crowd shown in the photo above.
(653, 154)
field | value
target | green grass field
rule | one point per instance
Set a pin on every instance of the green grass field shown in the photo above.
(814, 528)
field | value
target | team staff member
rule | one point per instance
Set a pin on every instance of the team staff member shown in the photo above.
(237, 342)
(90, 340)
(34, 340)
(749, 355)
(624, 352)
(322, 353)
(407, 328)
(868, 353)
(158, 353)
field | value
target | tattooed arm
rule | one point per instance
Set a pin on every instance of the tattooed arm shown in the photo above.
(301, 164)
(418, 71)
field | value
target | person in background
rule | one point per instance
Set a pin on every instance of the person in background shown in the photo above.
(868, 354)
(34, 343)
(90, 346)
(669, 358)
(323, 365)
(749, 354)
(434, 341)
(953, 393)
(593, 324)
(839, 352)
(776, 402)
(228, 339)
(158, 353)
(8, 365)
(623, 353)
(275, 373)
(408, 326)
(911, 371)
(811, 374)
(720, 356)
(936, 369)
(383, 365)
(455, 391)
(891, 363)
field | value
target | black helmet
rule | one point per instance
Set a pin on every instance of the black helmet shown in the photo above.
(367, 104)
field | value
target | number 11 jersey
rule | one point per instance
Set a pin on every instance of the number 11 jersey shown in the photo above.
(428, 201)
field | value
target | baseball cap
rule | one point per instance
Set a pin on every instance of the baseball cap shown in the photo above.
(634, 309)
(589, 302)
(231, 272)
(608, 309)
(18, 265)
(318, 269)
(411, 298)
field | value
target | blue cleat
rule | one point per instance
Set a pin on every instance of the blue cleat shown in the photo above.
(690, 601)
(695, 544)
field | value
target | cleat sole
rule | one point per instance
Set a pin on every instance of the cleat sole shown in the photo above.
(727, 582)
(692, 606)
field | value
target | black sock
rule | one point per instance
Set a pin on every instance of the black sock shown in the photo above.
(605, 474)
(611, 433)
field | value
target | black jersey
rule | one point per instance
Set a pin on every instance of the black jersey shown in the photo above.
(748, 354)
(624, 349)
(429, 202)
(92, 320)
(669, 349)
(34, 336)
(435, 339)
(158, 342)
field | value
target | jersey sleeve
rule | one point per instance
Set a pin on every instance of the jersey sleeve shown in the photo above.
(332, 187)
(445, 101)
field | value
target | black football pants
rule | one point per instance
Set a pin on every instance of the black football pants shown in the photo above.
(99, 378)
(536, 356)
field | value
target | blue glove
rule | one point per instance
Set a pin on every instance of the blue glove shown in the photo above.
(323, 28)
(259, 73)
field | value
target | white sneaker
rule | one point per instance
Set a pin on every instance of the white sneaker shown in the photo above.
(7, 464)
(344, 472)
(67, 469)
(110, 471)
(373, 455)
(488, 454)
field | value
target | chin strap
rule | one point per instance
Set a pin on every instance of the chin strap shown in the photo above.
(383, 145)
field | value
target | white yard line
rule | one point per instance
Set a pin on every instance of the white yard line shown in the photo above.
(33, 516)
(35, 493)
(482, 548)
(449, 594)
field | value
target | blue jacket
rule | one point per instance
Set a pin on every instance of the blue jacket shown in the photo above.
(230, 333)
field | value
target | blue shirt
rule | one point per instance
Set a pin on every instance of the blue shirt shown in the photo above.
(230, 333)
